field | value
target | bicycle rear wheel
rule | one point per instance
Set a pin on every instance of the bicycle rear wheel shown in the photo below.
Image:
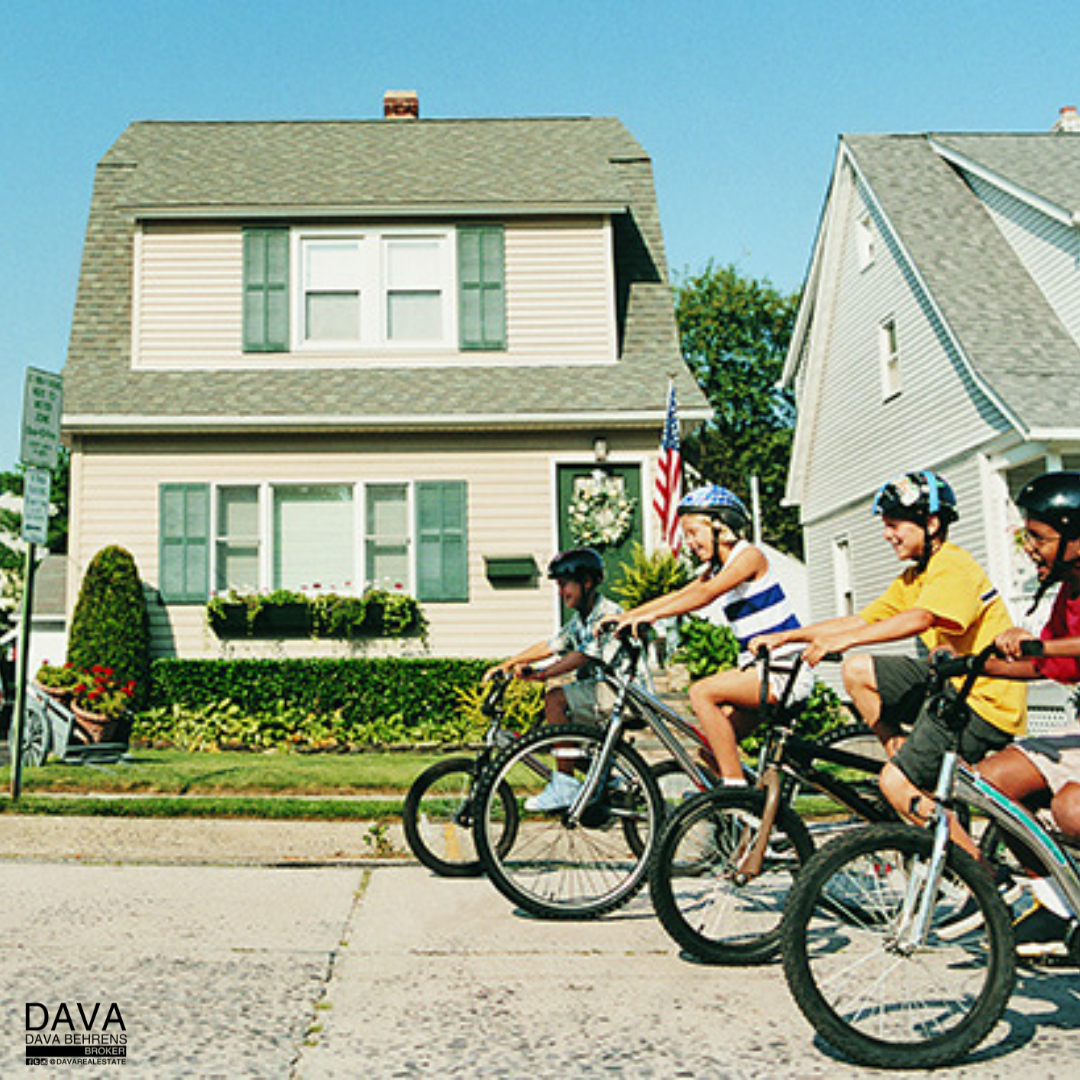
(702, 898)
(559, 869)
(438, 818)
(867, 996)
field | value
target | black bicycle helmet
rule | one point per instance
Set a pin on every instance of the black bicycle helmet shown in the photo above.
(578, 564)
(916, 497)
(1054, 499)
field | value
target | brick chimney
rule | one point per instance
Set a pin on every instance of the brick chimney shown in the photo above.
(401, 105)
(1067, 121)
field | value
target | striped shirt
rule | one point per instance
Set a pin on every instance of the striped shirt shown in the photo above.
(752, 607)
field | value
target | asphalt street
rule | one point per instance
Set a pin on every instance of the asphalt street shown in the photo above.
(348, 968)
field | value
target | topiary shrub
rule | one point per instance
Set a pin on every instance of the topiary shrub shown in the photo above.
(110, 627)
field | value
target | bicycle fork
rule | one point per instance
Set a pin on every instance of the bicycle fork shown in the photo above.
(924, 880)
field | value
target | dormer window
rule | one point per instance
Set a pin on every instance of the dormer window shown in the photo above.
(357, 290)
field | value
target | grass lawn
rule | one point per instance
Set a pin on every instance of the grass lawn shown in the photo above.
(173, 783)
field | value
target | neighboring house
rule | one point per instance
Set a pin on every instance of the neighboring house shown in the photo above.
(940, 329)
(318, 354)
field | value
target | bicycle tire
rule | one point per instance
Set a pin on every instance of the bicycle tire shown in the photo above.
(36, 734)
(437, 816)
(839, 919)
(694, 881)
(556, 870)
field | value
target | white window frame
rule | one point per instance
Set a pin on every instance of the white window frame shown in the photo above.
(266, 490)
(843, 577)
(373, 269)
(865, 240)
(889, 352)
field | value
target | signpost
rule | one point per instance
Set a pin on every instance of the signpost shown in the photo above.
(43, 401)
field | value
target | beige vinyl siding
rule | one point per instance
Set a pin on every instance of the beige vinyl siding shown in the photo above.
(559, 300)
(1049, 249)
(858, 439)
(510, 512)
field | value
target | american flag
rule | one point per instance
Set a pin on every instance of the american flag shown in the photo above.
(669, 477)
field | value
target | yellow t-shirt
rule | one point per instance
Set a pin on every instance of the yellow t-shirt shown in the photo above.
(968, 615)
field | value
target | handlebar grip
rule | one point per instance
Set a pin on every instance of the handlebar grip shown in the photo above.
(1034, 647)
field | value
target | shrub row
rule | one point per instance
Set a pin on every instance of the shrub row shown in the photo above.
(408, 692)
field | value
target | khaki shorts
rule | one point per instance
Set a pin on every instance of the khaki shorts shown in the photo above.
(1057, 757)
(589, 699)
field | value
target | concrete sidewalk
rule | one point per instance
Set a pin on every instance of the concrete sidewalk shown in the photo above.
(193, 841)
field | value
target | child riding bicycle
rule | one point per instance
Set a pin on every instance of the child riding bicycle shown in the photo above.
(736, 585)
(578, 574)
(1048, 764)
(948, 602)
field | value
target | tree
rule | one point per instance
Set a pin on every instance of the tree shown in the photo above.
(735, 332)
(12, 549)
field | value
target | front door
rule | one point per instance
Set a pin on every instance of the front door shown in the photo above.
(600, 506)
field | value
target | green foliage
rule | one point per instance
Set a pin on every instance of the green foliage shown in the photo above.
(376, 613)
(645, 577)
(821, 712)
(523, 706)
(58, 676)
(381, 701)
(705, 648)
(110, 628)
(735, 333)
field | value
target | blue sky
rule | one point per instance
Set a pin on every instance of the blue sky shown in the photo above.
(739, 104)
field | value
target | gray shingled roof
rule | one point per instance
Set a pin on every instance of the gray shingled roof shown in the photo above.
(1002, 320)
(513, 166)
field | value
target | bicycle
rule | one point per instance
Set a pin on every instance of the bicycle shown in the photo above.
(439, 808)
(726, 859)
(593, 857)
(868, 951)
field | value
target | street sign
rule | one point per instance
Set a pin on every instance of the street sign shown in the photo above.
(37, 487)
(43, 400)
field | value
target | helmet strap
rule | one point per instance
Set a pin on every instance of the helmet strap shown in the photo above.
(1059, 570)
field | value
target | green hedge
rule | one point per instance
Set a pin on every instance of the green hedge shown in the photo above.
(419, 692)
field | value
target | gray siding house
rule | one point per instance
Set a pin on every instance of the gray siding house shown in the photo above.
(939, 328)
(316, 355)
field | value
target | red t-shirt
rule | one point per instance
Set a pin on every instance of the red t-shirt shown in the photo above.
(1064, 622)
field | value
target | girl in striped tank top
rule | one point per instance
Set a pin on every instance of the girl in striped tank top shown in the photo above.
(737, 586)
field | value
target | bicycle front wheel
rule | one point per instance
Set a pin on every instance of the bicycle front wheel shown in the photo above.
(558, 868)
(870, 994)
(698, 884)
(438, 818)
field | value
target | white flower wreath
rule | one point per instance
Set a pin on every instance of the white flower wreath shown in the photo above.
(600, 513)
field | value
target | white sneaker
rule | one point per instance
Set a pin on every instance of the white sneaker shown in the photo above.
(558, 795)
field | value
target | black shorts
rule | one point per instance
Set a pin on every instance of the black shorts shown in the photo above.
(902, 682)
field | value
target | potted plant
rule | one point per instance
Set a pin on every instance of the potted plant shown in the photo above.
(100, 703)
(58, 680)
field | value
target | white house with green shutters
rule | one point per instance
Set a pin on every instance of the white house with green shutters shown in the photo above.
(318, 355)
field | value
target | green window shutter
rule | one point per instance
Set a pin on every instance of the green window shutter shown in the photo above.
(266, 290)
(481, 287)
(442, 557)
(184, 543)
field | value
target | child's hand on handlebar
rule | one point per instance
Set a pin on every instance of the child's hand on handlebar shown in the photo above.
(1010, 643)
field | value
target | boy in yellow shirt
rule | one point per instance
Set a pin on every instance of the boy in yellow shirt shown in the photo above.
(946, 600)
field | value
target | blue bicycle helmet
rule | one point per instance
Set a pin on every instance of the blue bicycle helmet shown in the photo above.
(717, 502)
(915, 496)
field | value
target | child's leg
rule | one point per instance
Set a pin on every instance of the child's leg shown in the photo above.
(726, 705)
(557, 711)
